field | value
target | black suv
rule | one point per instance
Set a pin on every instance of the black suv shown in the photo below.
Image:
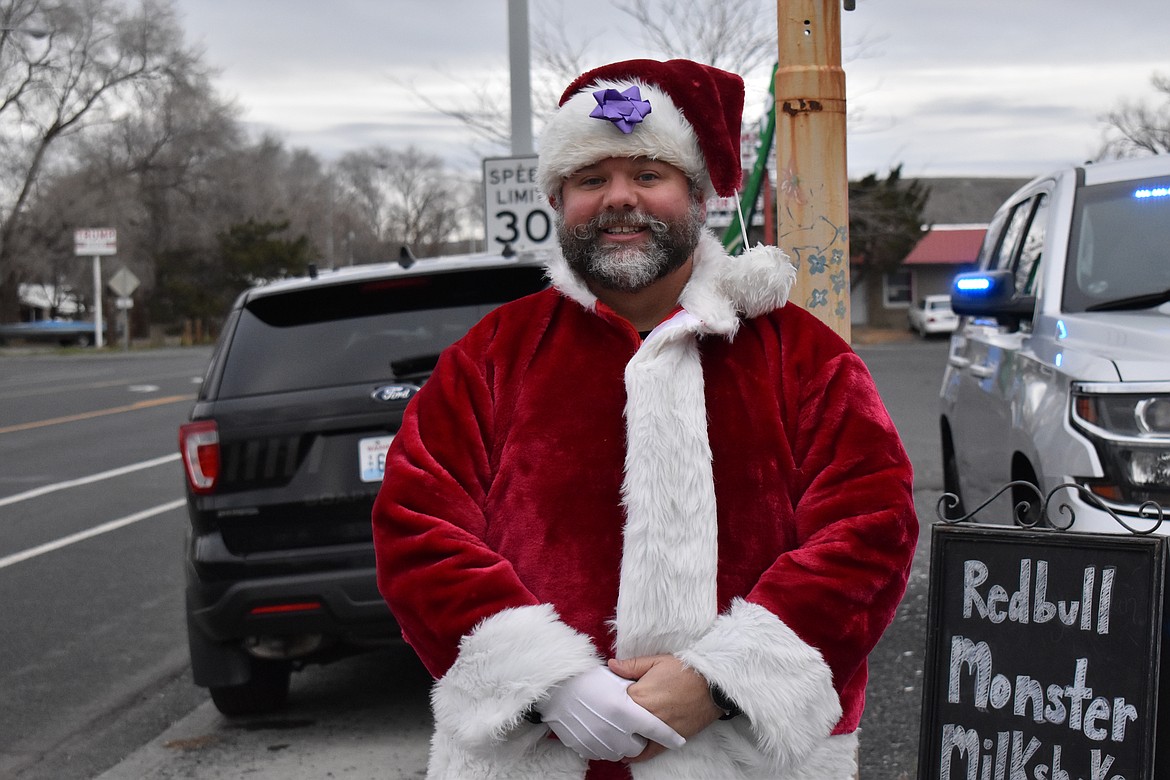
(284, 454)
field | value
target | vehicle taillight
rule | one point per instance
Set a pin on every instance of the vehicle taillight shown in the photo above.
(199, 444)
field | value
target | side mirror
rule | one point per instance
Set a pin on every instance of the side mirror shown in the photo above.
(991, 294)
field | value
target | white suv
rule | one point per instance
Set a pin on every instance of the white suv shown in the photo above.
(1060, 370)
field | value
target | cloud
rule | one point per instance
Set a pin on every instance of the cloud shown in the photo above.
(955, 87)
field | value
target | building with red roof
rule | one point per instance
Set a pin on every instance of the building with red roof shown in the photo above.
(957, 211)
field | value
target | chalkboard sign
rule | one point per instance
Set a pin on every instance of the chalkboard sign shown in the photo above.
(1042, 656)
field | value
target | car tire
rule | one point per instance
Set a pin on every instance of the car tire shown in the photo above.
(951, 474)
(265, 691)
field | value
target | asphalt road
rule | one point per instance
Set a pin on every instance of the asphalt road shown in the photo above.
(93, 651)
(91, 528)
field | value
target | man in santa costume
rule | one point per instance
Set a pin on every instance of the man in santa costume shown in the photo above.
(650, 521)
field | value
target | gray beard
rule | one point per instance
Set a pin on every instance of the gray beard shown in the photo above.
(630, 268)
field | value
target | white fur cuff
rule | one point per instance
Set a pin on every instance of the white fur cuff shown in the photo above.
(782, 684)
(507, 662)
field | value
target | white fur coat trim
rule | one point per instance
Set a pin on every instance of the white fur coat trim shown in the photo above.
(725, 751)
(667, 601)
(666, 595)
(782, 684)
(505, 664)
(722, 287)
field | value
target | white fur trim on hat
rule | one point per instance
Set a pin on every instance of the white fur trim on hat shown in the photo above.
(572, 139)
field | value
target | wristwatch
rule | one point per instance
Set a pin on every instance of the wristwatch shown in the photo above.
(724, 702)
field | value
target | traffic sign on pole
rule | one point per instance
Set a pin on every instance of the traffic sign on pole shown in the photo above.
(516, 212)
(123, 283)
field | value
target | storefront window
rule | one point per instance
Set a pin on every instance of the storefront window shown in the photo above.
(896, 290)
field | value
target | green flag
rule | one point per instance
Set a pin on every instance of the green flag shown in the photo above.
(749, 199)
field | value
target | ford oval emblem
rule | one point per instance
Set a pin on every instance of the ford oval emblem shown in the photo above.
(393, 394)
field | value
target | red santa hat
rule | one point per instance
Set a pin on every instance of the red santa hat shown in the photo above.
(681, 112)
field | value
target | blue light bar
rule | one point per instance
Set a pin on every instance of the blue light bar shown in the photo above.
(1152, 192)
(973, 284)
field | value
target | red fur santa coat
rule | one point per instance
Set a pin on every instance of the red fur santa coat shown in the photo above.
(730, 490)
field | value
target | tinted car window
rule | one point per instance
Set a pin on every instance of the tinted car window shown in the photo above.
(384, 330)
(1118, 245)
(1032, 248)
(1006, 250)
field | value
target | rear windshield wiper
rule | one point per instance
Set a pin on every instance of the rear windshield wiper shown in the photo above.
(1147, 301)
(419, 365)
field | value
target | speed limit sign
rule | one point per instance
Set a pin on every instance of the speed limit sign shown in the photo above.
(515, 210)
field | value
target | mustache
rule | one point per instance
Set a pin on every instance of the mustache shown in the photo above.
(587, 231)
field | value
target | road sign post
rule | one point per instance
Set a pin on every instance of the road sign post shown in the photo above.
(96, 242)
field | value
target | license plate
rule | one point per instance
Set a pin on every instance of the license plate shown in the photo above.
(372, 457)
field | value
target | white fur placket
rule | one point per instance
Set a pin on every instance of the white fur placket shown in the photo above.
(666, 599)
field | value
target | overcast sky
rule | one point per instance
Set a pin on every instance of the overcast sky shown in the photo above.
(947, 88)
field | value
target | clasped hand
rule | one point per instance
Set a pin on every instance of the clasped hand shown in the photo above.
(594, 715)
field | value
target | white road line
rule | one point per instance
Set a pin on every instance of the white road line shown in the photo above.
(146, 464)
(97, 530)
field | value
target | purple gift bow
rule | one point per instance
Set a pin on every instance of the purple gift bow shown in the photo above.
(624, 109)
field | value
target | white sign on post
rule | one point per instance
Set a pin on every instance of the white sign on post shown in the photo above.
(95, 242)
(91, 242)
(516, 212)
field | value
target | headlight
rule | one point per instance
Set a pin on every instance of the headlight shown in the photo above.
(1149, 467)
(1131, 431)
(1153, 415)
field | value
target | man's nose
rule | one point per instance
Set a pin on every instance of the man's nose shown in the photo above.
(620, 194)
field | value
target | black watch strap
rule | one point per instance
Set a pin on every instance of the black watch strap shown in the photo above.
(724, 702)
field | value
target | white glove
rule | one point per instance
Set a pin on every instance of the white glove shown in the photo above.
(592, 714)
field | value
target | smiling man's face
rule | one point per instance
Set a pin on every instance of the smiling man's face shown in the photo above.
(625, 223)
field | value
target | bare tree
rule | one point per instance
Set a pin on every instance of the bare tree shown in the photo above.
(64, 66)
(175, 174)
(403, 198)
(423, 203)
(1138, 128)
(163, 152)
(719, 33)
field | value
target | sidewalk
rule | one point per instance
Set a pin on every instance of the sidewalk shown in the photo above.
(865, 335)
(362, 718)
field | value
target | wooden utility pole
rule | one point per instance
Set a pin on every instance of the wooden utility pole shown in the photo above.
(812, 200)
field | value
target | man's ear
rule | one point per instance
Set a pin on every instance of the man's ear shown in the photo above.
(552, 201)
